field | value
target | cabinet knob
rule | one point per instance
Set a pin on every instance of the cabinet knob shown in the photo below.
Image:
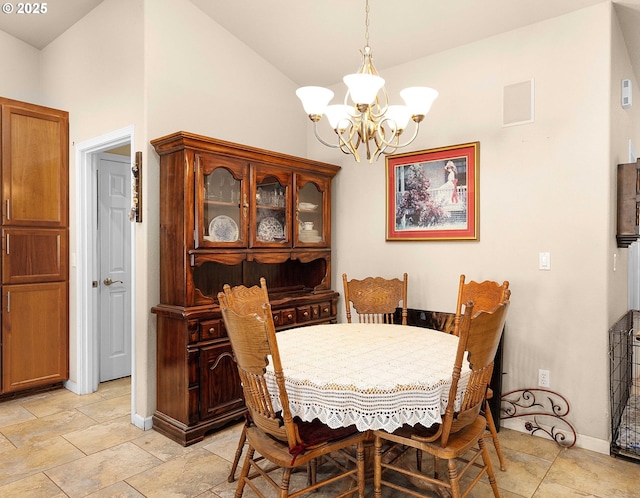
(306, 314)
(212, 330)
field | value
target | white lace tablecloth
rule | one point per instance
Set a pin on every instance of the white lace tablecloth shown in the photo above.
(375, 376)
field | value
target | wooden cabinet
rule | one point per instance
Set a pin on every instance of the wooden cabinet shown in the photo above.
(230, 213)
(34, 145)
(628, 222)
(34, 335)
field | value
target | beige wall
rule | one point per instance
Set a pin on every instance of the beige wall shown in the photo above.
(546, 186)
(20, 70)
(625, 126)
(203, 80)
(95, 70)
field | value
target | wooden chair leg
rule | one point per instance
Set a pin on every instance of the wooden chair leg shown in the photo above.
(236, 458)
(494, 434)
(454, 479)
(377, 468)
(487, 461)
(244, 474)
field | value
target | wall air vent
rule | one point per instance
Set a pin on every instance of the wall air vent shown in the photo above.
(626, 94)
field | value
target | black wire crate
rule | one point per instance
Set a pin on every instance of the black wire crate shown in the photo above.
(624, 385)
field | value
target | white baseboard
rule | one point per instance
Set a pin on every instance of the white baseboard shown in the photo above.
(71, 386)
(141, 422)
(585, 442)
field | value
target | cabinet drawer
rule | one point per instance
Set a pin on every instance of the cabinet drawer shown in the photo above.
(277, 317)
(307, 313)
(325, 310)
(211, 329)
(34, 255)
(288, 316)
(303, 314)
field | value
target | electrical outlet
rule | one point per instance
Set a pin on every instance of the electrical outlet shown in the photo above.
(543, 378)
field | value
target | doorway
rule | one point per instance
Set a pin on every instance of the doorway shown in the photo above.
(112, 251)
(98, 286)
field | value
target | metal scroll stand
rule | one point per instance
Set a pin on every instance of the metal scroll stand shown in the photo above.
(546, 410)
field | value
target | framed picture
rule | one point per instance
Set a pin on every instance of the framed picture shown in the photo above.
(433, 194)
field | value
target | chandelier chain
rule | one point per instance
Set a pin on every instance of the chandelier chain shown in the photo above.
(366, 25)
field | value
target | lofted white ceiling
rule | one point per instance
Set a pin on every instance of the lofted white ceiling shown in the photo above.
(318, 41)
(38, 29)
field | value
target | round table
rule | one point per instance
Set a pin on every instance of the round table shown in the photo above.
(373, 376)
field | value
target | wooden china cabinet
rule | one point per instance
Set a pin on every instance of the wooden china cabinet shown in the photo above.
(231, 213)
(34, 165)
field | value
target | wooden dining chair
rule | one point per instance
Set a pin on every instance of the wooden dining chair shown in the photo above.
(461, 429)
(244, 301)
(375, 299)
(485, 296)
(275, 439)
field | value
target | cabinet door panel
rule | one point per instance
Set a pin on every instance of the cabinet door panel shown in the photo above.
(221, 205)
(313, 217)
(34, 335)
(34, 154)
(220, 389)
(34, 255)
(270, 224)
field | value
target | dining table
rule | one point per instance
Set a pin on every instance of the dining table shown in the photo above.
(371, 375)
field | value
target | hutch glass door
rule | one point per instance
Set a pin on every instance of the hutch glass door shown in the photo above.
(311, 215)
(220, 206)
(272, 219)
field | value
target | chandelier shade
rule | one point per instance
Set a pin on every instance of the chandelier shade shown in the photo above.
(363, 88)
(419, 99)
(365, 118)
(314, 99)
(338, 116)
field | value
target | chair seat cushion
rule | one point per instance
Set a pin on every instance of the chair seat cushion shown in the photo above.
(316, 432)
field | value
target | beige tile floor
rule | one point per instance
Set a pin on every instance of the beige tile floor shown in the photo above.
(60, 445)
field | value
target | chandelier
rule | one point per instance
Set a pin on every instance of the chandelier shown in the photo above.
(366, 118)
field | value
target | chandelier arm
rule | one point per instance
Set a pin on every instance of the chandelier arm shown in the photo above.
(347, 146)
(381, 146)
(315, 130)
(395, 147)
(382, 109)
(364, 135)
(397, 144)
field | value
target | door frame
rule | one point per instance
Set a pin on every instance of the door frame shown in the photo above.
(84, 260)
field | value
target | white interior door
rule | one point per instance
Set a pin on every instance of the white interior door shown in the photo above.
(114, 262)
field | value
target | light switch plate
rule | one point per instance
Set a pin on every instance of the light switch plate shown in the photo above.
(544, 261)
